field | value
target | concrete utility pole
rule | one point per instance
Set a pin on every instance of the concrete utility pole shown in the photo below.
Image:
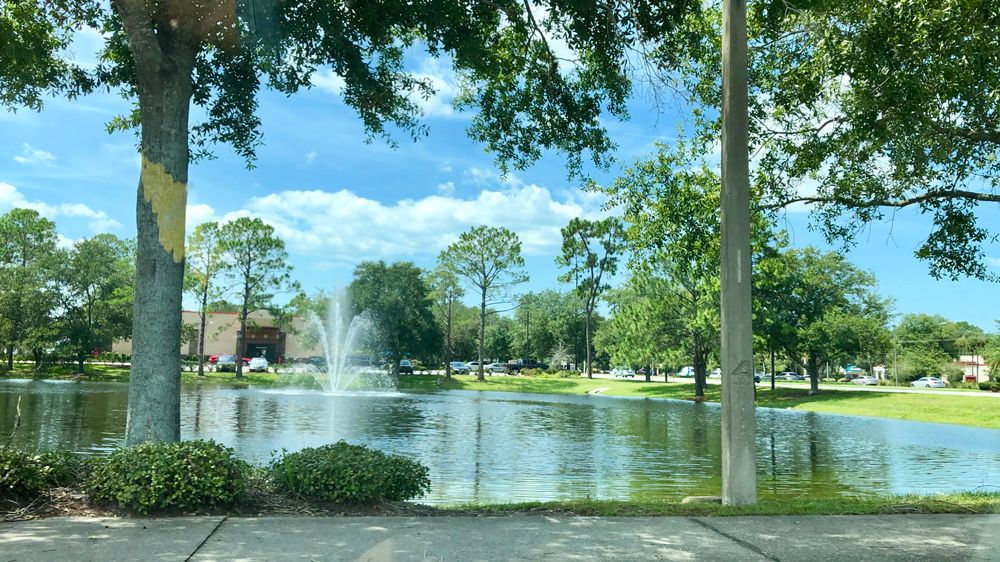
(739, 467)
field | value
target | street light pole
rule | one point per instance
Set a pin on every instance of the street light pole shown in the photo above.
(739, 469)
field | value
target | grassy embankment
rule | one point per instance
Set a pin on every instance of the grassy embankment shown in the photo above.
(971, 502)
(979, 411)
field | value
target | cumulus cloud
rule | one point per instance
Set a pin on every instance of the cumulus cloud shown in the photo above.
(198, 214)
(31, 156)
(99, 221)
(342, 226)
(438, 75)
(328, 81)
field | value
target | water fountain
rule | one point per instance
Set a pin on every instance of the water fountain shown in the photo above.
(339, 336)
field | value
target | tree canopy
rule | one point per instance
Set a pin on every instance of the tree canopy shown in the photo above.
(863, 108)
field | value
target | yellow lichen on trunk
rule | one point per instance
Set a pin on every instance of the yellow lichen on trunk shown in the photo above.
(168, 198)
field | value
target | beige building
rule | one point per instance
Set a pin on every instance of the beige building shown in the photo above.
(974, 366)
(263, 337)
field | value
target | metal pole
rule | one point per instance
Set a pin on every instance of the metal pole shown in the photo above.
(739, 471)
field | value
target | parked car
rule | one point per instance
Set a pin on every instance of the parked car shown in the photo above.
(623, 372)
(789, 376)
(866, 380)
(928, 382)
(472, 365)
(225, 363)
(405, 367)
(495, 368)
(258, 365)
(213, 359)
(459, 367)
(516, 365)
(686, 372)
(716, 374)
(757, 377)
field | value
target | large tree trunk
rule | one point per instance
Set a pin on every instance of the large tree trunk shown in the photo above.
(241, 338)
(590, 364)
(203, 320)
(699, 360)
(447, 345)
(813, 374)
(482, 335)
(772, 369)
(164, 87)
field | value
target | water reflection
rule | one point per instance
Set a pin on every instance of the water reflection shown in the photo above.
(495, 447)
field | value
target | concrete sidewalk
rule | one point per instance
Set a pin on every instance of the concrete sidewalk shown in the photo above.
(471, 539)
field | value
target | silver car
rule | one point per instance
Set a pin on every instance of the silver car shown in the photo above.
(928, 382)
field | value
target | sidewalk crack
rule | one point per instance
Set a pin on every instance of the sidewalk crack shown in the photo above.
(205, 540)
(741, 542)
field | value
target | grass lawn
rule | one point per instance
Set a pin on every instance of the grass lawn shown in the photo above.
(979, 411)
(941, 503)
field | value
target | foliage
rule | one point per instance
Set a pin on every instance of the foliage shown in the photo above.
(345, 473)
(26, 474)
(590, 251)
(396, 300)
(28, 286)
(445, 293)
(488, 259)
(543, 320)
(98, 291)
(863, 108)
(202, 266)
(186, 475)
(255, 263)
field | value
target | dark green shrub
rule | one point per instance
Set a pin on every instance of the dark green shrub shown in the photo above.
(990, 386)
(184, 475)
(345, 473)
(26, 474)
(532, 372)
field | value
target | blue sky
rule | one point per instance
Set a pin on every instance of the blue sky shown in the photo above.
(336, 200)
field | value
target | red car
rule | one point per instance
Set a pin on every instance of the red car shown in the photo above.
(213, 359)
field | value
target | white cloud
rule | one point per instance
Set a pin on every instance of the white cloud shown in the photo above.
(438, 75)
(995, 262)
(442, 80)
(31, 156)
(328, 81)
(345, 227)
(64, 242)
(199, 214)
(447, 188)
(99, 221)
(310, 156)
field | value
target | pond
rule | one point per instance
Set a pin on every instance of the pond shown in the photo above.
(504, 447)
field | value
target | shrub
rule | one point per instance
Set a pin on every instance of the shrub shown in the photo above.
(567, 374)
(532, 372)
(990, 386)
(26, 474)
(345, 473)
(183, 475)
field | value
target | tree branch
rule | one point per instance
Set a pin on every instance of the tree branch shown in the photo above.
(138, 27)
(898, 203)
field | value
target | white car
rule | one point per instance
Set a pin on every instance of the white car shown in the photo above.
(928, 382)
(716, 374)
(686, 372)
(623, 372)
(866, 379)
(495, 368)
(258, 365)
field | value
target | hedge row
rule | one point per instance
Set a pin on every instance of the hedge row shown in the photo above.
(200, 475)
